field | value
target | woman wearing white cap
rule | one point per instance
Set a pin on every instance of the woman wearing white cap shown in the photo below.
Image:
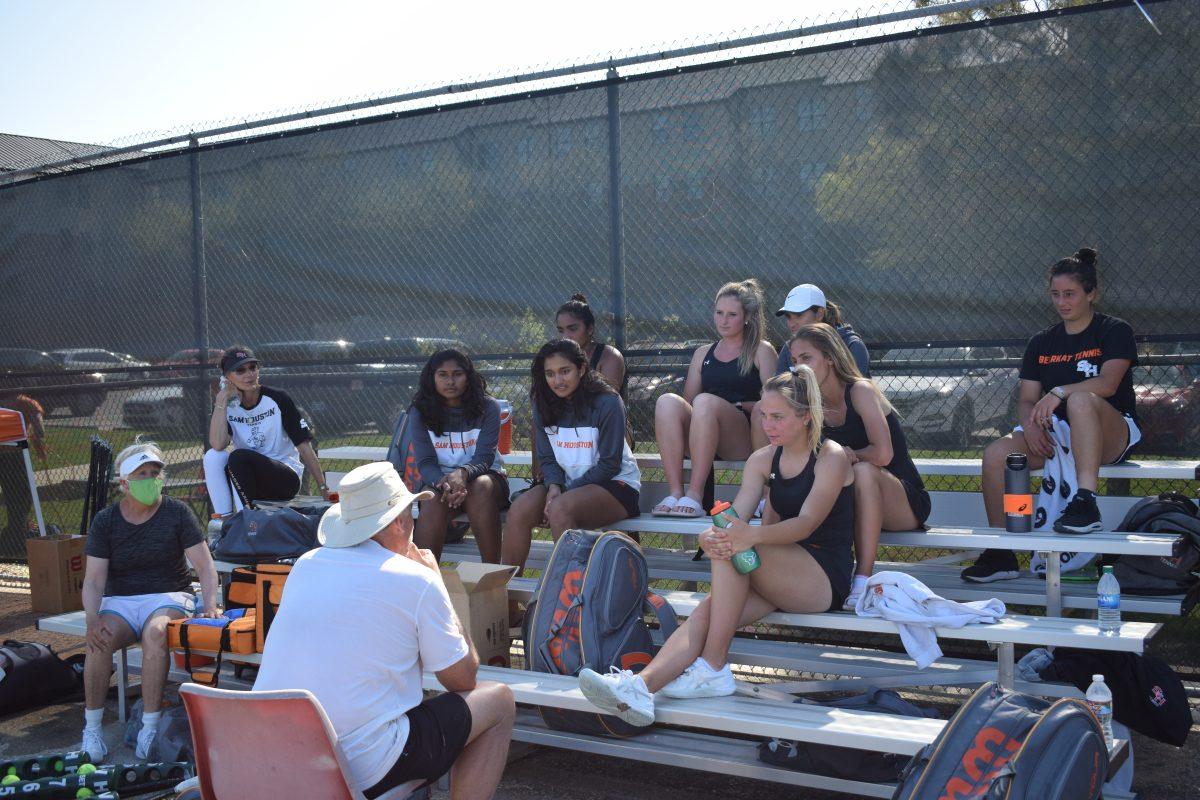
(272, 443)
(136, 582)
(807, 304)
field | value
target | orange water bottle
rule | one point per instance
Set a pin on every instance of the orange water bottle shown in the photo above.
(1018, 501)
(505, 444)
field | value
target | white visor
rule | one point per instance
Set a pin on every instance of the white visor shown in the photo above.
(136, 460)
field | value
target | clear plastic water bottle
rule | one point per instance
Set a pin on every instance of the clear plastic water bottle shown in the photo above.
(1099, 699)
(1108, 602)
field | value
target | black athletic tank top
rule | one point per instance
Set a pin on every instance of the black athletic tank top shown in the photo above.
(723, 379)
(788, 496)
(594, 363)
(853, 434)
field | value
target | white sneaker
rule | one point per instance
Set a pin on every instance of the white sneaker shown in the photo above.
(144, 740)
(851, 603)
(93, 744)
(619, 692)
(701, 680)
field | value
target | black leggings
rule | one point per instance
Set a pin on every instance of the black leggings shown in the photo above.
(257, 477)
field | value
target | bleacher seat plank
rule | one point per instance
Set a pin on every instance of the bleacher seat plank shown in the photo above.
(1027, 590)
(1166, 469)
(740, 715)
(688, 750)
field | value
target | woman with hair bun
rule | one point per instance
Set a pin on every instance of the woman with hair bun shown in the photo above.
(804, 548)
(712, 417)
(1078, 371)
(575, 321)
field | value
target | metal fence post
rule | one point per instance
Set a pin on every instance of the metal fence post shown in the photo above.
(616, 234)
(199, 291)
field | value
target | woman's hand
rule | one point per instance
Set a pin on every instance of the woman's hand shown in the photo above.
(1044, 411)
(224, 395)
(209, 612)
(740, 535)
(98, 636)
(552, 493)
(454, 488)
(852, 456)
(715, 543)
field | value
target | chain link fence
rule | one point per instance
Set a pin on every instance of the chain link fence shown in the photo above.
(924, 177)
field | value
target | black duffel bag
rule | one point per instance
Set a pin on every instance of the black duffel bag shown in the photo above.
(253, 535)
(34, 676)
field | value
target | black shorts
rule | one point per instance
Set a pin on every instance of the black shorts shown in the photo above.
(918, 500)
(626, 495)
(437, 733)
(837, 564)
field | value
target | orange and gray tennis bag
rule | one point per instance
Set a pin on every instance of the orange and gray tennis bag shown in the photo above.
(1003, 745)
(588, 611)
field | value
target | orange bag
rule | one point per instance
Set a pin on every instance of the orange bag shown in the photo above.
(234, 632)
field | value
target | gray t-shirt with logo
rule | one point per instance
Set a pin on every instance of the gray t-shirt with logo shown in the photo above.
(146, 558)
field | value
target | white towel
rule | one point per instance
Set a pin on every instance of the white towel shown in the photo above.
(1059, 485)
(916, 610)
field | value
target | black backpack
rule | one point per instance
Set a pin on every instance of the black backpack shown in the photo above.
(1147, 694)
(846, 762)
(1003, 744)
(1170, 512)
(35, 676)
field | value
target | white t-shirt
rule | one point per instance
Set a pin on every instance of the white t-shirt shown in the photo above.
(354, 627)
(273, 427)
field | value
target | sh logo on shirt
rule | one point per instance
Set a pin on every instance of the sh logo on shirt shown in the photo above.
(1088, 369)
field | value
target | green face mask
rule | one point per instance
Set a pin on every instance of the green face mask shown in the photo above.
(146, 491)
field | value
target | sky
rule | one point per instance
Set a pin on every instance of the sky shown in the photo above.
(122, 71)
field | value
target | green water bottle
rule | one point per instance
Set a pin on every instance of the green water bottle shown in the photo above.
(746, 561)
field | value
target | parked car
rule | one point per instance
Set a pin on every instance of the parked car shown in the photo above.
(88, 359)
(1168, 408)
(48, 382)
(943, 398)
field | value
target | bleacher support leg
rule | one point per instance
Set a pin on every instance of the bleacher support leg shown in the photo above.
(1005, 664)
(122, 684)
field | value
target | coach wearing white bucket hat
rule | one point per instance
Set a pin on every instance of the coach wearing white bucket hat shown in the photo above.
(378, 607)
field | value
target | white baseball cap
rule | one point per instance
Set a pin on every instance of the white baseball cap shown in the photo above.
(801, 298)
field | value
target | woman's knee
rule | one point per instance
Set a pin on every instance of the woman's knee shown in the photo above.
(215, 460)
(154, 634)
(866, 476)
(1081, 402)
(708, 404)
(995, 453)
(669, 406)
(561, 515)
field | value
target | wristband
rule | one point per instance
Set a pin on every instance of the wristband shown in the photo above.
(1059, 392)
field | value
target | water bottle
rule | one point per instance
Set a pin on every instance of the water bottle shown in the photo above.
(746, 561)
(1099, 700)
(1108, 603)
(1018, 502)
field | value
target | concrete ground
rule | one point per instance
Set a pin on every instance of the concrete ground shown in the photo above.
(1163, 772)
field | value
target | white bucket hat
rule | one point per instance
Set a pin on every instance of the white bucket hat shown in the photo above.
(371, 496)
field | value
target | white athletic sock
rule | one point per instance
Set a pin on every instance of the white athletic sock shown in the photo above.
(150, 721)
(92, 718)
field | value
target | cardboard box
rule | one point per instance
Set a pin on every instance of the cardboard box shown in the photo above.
(56, 572)
(479, 593)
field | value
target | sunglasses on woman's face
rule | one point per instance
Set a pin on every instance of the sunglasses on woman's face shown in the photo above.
(242, 370)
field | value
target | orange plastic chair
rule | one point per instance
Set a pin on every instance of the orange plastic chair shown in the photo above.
(266, 744)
